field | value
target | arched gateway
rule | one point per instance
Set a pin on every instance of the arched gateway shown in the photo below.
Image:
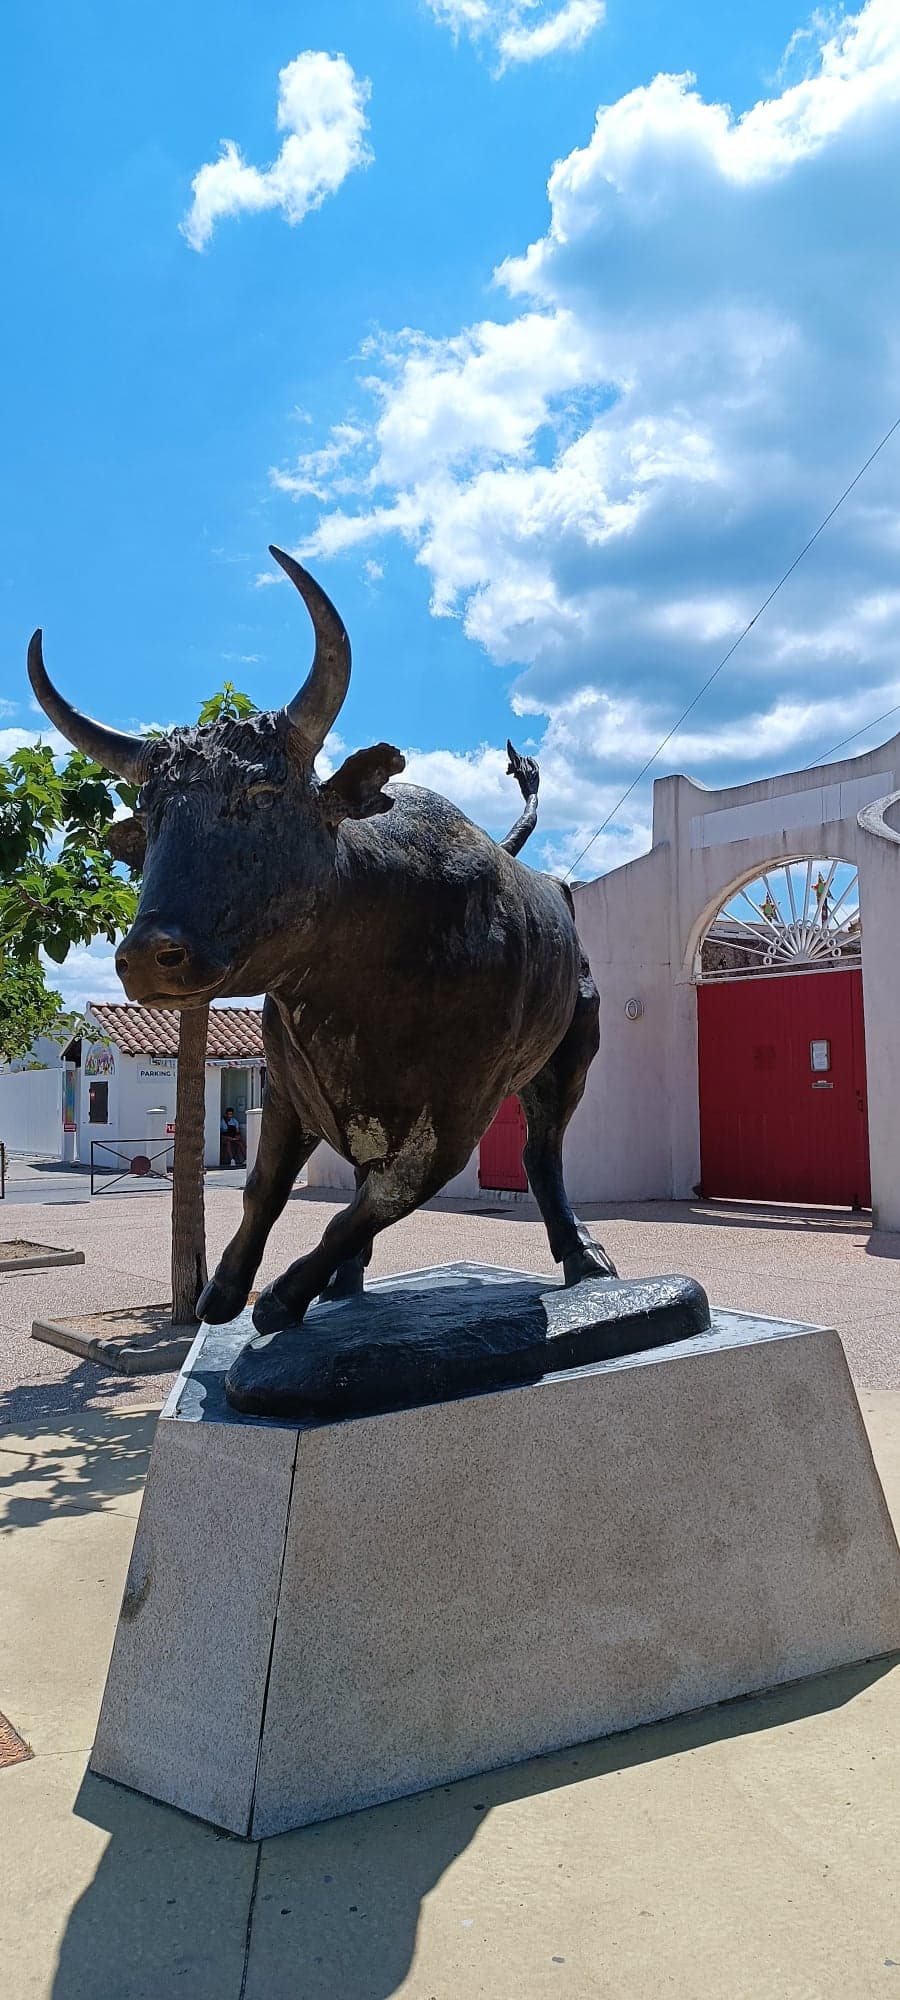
(781, 1040)
(757, 942)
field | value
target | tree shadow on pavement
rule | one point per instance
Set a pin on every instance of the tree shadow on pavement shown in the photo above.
(63, 1462)
(333, 1910)
(86, 1390)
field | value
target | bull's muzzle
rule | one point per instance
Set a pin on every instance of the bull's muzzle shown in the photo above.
(157, 966)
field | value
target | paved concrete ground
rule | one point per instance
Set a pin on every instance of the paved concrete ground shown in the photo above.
(825, 1266)
(46, 1181)
(745, 1853)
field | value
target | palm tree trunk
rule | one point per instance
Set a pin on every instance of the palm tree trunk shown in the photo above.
(188, 1221)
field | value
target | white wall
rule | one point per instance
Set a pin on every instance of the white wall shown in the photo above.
(146, 1084)
(636, 1134)
(326, 1169)
(46, 1050)
(879, 886)
(31, 1111)
(213, 1116)
(618, 1145)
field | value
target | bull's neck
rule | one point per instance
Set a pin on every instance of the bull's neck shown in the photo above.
(314, 950)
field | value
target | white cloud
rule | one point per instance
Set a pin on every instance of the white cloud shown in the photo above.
(604, 481)
(25, 739)
(569, 28)
(88, 973)
(521, 31)
(322, 108)
(317, 472)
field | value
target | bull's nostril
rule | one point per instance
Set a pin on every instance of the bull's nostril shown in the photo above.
(173, 956)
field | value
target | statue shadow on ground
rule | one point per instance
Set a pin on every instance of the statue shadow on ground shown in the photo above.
(334, 1908)
(692, 1212)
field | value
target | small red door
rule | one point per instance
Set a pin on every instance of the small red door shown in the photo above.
(783, 1112)
(500, 1154)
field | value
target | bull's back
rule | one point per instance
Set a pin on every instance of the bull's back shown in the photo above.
(426, 856)
(436, 894)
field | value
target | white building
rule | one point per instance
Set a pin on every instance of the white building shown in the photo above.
(779, 1082)
(116, 1093)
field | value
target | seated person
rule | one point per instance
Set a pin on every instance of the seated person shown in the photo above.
(232, 1144)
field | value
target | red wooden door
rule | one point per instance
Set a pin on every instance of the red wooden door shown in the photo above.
(773, 1127)
(500, 1153)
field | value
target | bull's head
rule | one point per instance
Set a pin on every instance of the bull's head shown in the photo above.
(239, 836)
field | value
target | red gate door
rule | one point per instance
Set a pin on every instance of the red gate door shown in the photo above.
(500, 1153)
(783, 1113)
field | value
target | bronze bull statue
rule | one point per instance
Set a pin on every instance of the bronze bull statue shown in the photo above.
(415, 972)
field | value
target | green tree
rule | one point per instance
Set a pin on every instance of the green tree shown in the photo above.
(59, 884)
(28, 1007)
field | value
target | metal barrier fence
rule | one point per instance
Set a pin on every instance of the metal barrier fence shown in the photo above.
(137, 1163)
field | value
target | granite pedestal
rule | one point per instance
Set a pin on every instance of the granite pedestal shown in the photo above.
(323, 1615)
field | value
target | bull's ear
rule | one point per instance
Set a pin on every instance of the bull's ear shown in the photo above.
(127, 841)
(355, 791)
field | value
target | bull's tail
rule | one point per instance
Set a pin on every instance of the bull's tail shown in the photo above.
(528, 778)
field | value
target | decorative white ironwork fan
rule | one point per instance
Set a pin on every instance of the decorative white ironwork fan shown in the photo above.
(800, 915)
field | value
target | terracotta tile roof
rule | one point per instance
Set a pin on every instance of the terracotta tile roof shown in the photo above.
(234, 1032)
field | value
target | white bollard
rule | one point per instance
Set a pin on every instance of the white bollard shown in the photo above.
(156, 1136)
(253, 1123)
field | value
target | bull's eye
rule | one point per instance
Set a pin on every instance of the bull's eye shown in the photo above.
(262, 791)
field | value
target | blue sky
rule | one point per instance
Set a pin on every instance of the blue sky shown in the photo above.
(547, 446)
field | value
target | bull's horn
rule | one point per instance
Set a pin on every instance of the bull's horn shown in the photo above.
(121, 754)
(314, 709)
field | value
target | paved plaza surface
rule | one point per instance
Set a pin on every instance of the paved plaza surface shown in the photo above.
(820, 1265)
(748, 1852)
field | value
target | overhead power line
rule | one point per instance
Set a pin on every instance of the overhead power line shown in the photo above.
(707, 684)
(856, 734)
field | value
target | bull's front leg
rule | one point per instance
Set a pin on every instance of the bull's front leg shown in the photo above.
(284, 1146)
(392, 1188)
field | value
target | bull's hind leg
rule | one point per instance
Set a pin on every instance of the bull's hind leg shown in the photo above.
(284, 1147)
(548, 1102)
(391, 1189)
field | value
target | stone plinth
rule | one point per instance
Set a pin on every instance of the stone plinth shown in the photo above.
(322, 1616)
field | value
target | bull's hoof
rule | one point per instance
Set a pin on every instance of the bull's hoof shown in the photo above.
(270, 1314)
(347, 1282)
(590, 1260)
(222, 1299)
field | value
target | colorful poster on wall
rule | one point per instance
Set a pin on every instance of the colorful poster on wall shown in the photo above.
(100, 1062)
(69, 1100)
